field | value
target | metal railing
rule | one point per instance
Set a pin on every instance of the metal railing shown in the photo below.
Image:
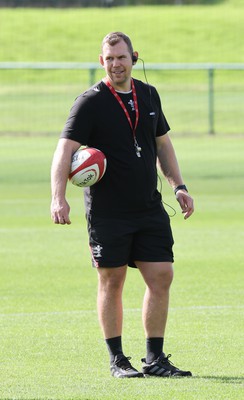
(92, 67)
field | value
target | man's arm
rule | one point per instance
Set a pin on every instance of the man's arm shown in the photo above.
(170, 168)
(59, 175)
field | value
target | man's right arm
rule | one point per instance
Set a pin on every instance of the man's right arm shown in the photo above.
(59, 175)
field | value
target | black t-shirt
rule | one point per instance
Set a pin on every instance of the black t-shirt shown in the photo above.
(98, 120)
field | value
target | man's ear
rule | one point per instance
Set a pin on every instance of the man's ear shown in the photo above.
(134, 57)
(101, 60)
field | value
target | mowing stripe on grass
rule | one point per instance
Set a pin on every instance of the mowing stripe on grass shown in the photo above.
(128, 310)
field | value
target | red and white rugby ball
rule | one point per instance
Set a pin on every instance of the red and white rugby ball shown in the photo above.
(88, 166)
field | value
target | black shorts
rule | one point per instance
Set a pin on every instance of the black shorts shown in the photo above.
(115, 242)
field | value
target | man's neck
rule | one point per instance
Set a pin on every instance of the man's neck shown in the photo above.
(121, 87)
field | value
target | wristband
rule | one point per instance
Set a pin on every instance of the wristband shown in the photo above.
(180, 187)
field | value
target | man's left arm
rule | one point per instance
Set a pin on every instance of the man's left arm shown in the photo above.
(170, 168)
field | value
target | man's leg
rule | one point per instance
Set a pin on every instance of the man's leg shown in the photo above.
(110, 313)
(109, 300)
(158, 277)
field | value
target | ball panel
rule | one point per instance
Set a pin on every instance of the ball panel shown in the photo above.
(86, 177)
(103, 167)
(88, 166)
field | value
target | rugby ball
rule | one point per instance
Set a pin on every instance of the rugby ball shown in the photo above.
(88, 166)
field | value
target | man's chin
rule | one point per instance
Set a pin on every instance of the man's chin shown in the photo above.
(119, 82)
(118, 78)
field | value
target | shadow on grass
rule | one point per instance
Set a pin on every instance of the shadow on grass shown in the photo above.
(223, 379)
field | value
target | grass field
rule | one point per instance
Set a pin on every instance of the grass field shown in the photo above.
(25, 107)
(161, 34)
(51, 344)
(211, 33)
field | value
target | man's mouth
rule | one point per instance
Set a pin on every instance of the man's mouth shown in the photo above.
(117, 72)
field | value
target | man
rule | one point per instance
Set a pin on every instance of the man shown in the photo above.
(126, 219)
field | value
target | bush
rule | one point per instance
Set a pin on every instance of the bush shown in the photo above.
(98, 3)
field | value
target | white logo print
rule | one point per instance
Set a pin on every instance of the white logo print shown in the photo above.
(97, 251)
(96, 89)
(131, 103)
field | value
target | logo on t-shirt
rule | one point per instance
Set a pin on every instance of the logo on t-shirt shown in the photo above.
(131, 103)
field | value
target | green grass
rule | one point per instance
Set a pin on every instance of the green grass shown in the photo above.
(37, 102)
(51, 344)
(159, 33)
(42, 108)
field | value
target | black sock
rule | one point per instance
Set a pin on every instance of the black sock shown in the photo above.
(114, 346)
(154, 348)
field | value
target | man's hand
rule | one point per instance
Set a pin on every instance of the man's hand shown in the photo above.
(59, 175)
(60, 212)
(186, 203)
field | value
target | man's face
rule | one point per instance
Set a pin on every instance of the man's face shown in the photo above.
(117, 63)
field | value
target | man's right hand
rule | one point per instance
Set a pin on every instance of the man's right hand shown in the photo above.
(60, 212)
(59, 176)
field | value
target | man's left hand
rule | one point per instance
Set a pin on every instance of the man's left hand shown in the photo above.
(186, 203)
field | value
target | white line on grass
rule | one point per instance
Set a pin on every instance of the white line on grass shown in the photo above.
(128, 310)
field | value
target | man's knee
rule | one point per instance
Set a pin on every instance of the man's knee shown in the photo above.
(111, 278)
(157, 275)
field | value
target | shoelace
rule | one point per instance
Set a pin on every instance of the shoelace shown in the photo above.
(166, 360)
(124, 363)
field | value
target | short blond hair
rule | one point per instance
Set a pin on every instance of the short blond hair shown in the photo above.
(113, 38)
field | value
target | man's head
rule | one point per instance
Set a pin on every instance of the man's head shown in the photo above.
(117, 58)
(115, 37)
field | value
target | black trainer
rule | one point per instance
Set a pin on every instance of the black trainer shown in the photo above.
(122, 368)
(163, 367)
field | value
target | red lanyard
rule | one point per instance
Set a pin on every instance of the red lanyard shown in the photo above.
(123, 106)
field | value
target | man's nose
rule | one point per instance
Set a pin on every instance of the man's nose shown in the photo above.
(116, 62)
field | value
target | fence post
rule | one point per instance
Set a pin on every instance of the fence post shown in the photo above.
(92, 75)
(211, 100)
